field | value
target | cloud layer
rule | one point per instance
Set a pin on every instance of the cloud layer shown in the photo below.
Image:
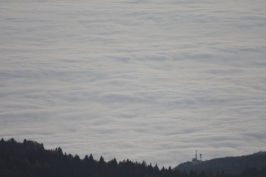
(144, 80)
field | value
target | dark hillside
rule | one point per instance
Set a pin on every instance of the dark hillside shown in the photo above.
(30, 159)
(228, 164)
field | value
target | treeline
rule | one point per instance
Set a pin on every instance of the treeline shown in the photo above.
(30, 159)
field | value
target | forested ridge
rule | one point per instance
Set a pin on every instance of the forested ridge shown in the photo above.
(31, 159)
(228, 164)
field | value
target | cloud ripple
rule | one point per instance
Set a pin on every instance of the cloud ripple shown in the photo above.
(144, 80)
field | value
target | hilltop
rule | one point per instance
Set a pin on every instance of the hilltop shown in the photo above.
(227, 164)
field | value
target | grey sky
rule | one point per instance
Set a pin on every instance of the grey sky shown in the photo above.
(144, 80)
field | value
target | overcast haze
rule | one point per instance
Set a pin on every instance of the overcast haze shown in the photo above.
(143, 80)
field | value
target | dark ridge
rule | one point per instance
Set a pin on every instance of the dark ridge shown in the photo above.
(31, 159)
(233, 165)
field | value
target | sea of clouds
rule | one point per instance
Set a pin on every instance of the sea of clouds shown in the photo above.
(139, 79)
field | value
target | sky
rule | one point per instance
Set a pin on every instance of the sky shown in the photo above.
(135, 79)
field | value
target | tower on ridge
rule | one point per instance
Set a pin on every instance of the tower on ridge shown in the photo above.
(196, 160)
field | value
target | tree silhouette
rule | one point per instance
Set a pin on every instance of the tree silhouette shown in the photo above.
(30, 159)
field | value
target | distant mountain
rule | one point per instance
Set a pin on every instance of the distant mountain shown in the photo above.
(232, 165)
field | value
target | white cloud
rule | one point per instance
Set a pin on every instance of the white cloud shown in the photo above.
(144, 80)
